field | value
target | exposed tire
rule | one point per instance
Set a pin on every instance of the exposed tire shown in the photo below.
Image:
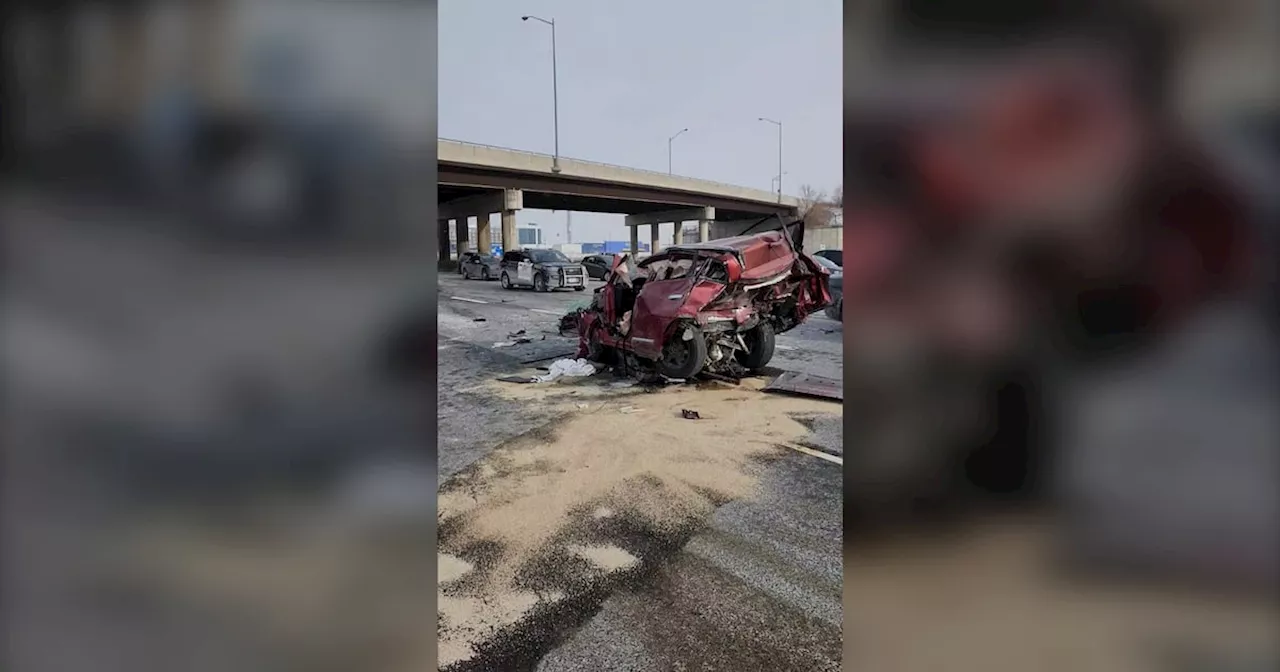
(540, 283)
(506, 281)
(578, 289)
(836, 310)
(683, 358)
(760, 342)
(484, 273)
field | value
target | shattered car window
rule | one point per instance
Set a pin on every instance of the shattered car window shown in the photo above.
(669, 269)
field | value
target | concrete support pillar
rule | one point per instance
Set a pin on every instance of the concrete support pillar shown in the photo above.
(460, 234)
(653, 238)
(509, 240)
(442, 236)
(483, 241)
(635, 239)
(704, 230)
(677, 236)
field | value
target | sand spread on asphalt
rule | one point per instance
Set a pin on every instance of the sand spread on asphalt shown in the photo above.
(450, 568)
(470, 620)
(608, 558)
(649, 463)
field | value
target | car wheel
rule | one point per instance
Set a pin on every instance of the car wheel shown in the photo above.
(683, 358)
(540, 283)
(578, 289)
(760, 342)
(484, 273)
(504, 280)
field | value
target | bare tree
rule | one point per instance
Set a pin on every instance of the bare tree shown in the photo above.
(815, 207)
(837, 206)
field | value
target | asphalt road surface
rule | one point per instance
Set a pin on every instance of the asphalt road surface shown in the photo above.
(749, 578)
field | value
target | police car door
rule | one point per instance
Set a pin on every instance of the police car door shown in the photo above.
(524, 270)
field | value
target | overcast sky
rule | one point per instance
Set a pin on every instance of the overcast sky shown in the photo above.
(633, 74)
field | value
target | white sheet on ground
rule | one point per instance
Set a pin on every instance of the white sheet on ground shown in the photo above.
(567, 367)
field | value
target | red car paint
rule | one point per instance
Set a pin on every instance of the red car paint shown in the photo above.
(722, 288)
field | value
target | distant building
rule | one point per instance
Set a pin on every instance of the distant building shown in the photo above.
(529, 234)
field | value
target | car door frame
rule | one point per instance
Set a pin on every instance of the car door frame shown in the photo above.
(525, 264)
(508, 265)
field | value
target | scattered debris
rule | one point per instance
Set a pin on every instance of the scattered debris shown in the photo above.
(622, 383)
(569, 321)
(575, 368)
(807, 385)
(724, 379)
(629, 410)
(515, 334)
(583, 407)
(479, 319)
(689, 415)
(516, 339)
(518, 379)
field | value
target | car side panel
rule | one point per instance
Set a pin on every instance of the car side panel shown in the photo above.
(657, 306)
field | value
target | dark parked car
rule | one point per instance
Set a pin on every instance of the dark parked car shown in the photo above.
(834, 256)
(544, 270)
(598, 265)
(835, 283)
(476, 265)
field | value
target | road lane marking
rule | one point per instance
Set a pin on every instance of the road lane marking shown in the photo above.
(462, 298)
(548, 312)
(816, 453)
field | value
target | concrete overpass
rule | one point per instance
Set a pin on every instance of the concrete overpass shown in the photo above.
(480, 180)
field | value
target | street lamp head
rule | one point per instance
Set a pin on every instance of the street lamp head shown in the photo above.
(524, 18)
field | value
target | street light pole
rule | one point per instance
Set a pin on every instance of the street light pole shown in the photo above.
(669, 141)
(555, 90)
(779, 125)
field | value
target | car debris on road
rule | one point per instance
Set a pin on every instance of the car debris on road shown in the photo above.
(688, 414)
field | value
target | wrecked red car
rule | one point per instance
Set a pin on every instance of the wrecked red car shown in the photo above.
(713, 306)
